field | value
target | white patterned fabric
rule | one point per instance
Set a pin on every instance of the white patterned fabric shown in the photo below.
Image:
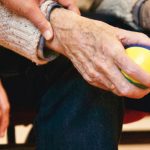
(20, 35)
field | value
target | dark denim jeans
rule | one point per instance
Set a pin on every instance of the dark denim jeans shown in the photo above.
(76, 116)
(72, 115)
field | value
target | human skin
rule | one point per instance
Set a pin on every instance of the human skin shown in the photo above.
(4, 110)
(96, 49)
(30, 10)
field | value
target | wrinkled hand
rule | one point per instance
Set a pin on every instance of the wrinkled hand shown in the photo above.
(4, 111)
(145, 15)
(30, 10)
(96, 49)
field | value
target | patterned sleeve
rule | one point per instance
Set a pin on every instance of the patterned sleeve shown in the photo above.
(21, 36)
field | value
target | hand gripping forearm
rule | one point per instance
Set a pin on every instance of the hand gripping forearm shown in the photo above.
(20, 35)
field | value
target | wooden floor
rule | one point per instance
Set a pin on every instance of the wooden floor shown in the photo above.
(138, 143)
(135, 147)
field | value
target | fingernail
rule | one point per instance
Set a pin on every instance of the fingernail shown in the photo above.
(47, 35)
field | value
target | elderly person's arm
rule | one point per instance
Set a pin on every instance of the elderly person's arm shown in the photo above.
(95, 49)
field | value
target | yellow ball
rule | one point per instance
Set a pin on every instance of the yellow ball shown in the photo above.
(140, 55)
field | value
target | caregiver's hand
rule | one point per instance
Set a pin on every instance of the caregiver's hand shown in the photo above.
(30, 10)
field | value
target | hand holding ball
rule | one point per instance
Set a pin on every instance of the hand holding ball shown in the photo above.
(140, 55)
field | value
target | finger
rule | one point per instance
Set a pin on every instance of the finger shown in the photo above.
(131, 68)
(122, 85)
(100, 85)
(4, 122)
(94, 77)
(31, 11)
(94, 83)
(129, 37)
(116, 92)
(136, 92)
(39, 20)
(81, 69)
(114, 74)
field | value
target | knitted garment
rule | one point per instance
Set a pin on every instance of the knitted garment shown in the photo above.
(120, 8)
(20, 35)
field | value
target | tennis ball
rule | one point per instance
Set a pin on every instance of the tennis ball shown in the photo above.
(140, 54)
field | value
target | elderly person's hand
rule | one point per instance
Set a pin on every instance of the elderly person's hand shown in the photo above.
(144, 18)
(4, 111)
(97, 51)
(30, 10)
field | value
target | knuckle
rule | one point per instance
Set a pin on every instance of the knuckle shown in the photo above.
(143, 35)
(91, 73)
(100, 65)
(91, 81)
(131, 71)
(87, 78)
(41, 23)
(125, 92)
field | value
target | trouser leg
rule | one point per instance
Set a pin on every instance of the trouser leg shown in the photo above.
(76, 116)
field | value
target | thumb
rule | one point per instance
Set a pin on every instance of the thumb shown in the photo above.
(39, 20)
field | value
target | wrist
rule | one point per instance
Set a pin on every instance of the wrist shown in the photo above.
(64, 23)
(66, 17)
